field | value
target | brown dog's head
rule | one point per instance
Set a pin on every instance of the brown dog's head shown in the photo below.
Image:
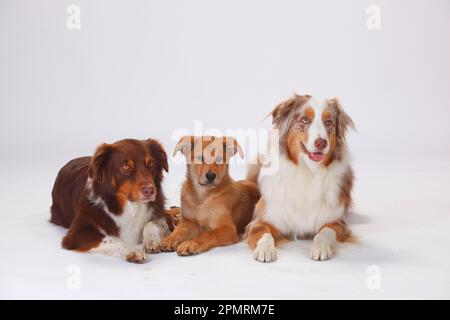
(312, 128)
(207, 157)
(128, 170)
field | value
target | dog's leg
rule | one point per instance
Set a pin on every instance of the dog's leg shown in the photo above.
(261, 236)
(185, 230)
(224, 235)
(115, 247)
(324, 243)
(261, 239)
(154, 231)
(86, 238)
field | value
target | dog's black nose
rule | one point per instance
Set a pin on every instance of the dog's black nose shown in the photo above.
(210, 176)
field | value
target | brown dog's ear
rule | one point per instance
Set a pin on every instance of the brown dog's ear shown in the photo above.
(344, 122)
(159, 153)
(232, 147)
(97, 166)
(280, 114)
(184, 145)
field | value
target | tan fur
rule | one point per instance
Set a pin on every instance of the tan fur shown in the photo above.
(340, 228)
(212, 215)
(293, 145)
(175, 214)
(346, 189)
(257, 228)
(253, 171)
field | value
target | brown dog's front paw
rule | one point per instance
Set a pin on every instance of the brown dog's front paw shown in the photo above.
(152, 246)
(136, 256)
(170, 244)
(188, 248)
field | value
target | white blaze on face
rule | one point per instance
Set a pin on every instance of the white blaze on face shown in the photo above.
(317, 129)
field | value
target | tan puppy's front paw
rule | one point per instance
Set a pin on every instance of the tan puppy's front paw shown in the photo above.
(188, 248)
(136, 256)
(170, 244)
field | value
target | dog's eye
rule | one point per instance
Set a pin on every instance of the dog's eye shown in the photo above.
(305, 120)
(150, 163)
(328, 122)
(219, 159)
(200, 158)
(126, 166)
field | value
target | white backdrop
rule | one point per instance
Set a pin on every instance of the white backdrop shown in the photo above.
(143, 69)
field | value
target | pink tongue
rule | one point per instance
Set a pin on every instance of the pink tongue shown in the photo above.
(316, 156)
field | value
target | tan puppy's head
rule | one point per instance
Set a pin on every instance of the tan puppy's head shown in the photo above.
(207, 158)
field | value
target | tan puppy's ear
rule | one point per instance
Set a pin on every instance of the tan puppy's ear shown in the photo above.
(184, 145)
(232, 147)
(344, 122)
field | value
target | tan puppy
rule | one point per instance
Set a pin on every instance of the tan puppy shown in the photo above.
(215, 209)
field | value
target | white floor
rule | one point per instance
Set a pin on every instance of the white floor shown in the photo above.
(402, 220)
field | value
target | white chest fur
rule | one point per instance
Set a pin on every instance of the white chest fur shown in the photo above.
(132, 220)
(301, 198)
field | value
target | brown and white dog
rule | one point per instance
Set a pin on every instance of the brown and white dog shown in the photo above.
(215, 209)
(311, 192)
(113, 201)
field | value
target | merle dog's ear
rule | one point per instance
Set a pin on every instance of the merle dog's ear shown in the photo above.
(280, 114)
(159, 153)
(97, 166)
(184, 145)
(344, 122)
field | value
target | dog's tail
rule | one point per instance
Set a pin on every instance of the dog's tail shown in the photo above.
(253, 170)
(351, 238)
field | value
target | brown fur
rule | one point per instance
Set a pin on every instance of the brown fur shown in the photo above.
(215, 214)
(117, 171)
